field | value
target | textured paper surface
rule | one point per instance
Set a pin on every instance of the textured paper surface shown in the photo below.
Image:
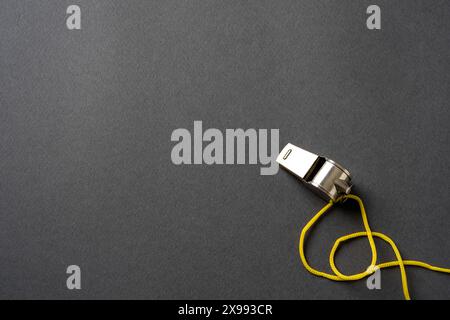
(85, 124)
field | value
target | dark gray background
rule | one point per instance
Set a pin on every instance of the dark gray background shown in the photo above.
(86, 118)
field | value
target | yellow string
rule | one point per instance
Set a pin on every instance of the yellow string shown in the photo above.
(338, 276)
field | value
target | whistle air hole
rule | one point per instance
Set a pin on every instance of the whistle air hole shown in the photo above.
(317, 165)
(287, 154)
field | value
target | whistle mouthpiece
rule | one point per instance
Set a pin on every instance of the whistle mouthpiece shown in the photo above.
(324, 176)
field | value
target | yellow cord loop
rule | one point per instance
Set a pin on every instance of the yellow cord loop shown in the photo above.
(338, 276)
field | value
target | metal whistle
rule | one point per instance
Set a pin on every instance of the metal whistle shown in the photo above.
(324, 176)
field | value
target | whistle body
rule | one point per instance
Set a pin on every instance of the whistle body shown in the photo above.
(324, 176)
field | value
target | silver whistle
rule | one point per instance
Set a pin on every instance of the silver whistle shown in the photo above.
(324, 176)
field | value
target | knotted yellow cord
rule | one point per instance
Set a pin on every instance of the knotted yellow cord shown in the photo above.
(338, 276)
